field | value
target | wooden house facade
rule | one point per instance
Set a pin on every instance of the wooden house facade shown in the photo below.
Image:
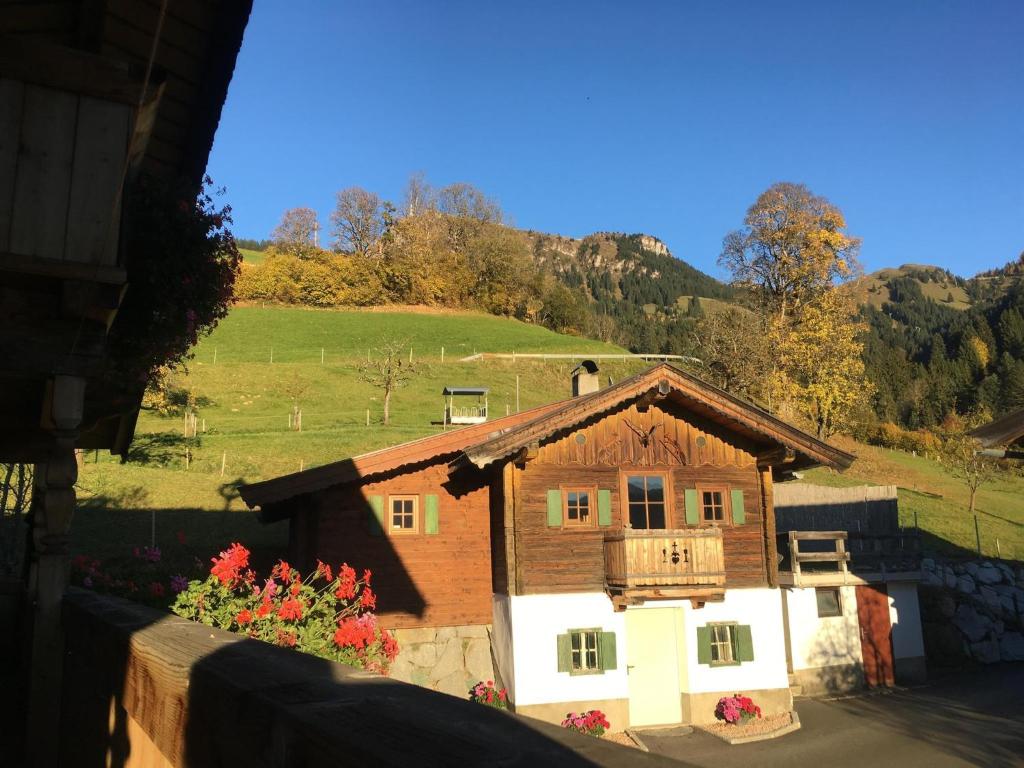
(599, 547)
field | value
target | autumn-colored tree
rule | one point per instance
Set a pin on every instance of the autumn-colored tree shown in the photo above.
(357, 220)
(296, 235)
(419, 195)
(733, 351)
(821, 371)
(960, 454)
(388, 369)
(792, 247)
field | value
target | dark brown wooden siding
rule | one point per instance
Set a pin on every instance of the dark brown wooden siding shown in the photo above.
(421, 579)
(689, 451)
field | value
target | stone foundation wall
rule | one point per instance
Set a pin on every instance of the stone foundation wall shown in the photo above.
(446, 659)
(972, 610)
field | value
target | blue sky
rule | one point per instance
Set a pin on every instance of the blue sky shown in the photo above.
(661, 117)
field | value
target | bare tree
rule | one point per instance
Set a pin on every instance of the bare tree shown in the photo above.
(15, 496)
(297, 233)
(465, 201)
(388, 370)
(358, 219)
(419, 195)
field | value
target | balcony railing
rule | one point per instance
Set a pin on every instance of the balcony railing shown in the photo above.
(465, 414)
(664, 558)
(820, 557)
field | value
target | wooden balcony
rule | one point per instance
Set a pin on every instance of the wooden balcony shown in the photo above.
(828, 558)
(651, 564)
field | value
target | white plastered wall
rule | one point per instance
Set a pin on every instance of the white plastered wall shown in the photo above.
(501, 643)
(761, 608)
(537, 620)
(905, 617)
(823, 642)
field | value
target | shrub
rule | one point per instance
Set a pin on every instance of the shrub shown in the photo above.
(486, 693)
(145, 577)
(326, 614)
(737, 710)
(590, 723)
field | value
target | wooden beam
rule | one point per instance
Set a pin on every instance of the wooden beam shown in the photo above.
(768, 512)
(776, 456)
(508, 501)
(76, 71)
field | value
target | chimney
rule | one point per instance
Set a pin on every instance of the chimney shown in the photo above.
(585, 379)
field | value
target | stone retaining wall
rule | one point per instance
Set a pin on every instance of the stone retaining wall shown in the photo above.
(972, 610)
(447, 659)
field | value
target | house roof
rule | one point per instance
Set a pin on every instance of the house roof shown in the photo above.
(483, 444)
(465, 391)
(1009, 429)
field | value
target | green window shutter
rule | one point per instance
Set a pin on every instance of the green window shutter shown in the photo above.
(555, 508)
(606, 650)
(604, 507)
(430, 515)
(692, 512)
(739, 515)
(564, 654)
(376, 519)
(744, 643)
(703, 645)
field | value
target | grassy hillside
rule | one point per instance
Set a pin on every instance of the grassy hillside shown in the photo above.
(873, 288)
(250, 256)
(937, 502)
(244, 401)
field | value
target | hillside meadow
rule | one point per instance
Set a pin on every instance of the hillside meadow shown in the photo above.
(244, 402)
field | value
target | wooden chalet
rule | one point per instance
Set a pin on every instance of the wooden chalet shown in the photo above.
(93, 95)
(653, 493)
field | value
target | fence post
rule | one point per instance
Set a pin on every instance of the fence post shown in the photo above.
(517, 393)
(442, 354)
(223, 462)
(214, 355)
(367, 417)
(321, 355)
(977, 534)
(271, 354)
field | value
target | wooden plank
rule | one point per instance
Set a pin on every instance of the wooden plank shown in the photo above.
(509, 528)
(44, 173)
(822, 557)
(768, 512)
(75, 71)
(94, 208)
(11, 96)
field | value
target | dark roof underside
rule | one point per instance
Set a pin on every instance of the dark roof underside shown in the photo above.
(1005, 431)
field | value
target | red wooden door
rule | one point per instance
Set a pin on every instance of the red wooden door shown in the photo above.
(875, 634)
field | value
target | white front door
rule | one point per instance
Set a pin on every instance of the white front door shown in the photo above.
(652, 662)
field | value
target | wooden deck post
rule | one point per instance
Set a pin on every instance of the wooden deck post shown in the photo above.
(768, 512)
(53, 504)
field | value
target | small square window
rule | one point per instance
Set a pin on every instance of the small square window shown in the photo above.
(723, 644)
(584, 651)
(579, 506)
(830, 602)
(403, 513)
(712, 502)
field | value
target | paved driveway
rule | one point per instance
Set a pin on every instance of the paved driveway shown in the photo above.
(966, 718)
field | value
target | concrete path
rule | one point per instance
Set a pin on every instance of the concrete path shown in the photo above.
(959, 719)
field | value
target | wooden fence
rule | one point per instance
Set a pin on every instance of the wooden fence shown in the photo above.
(863, 508)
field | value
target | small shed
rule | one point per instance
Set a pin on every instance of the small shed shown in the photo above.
(465, 412)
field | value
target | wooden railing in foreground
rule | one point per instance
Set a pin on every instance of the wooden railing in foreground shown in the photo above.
(144, 688)
(647, 558)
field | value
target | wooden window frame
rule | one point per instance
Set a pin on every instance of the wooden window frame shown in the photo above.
(598, 669)
(734, 643)
(591, 492)
(839, 602)
(416, 514)
(666, 475)
(726, 492)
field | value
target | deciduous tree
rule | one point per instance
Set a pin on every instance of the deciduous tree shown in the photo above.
(357, 220)
(296, 235)
(388, 369)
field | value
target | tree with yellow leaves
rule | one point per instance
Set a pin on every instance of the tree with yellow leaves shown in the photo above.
(791, 255)
(791, 249)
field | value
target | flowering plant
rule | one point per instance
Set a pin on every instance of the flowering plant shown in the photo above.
(591, 723)
(486, 693)
(145, 577)
(328, 614)
(737, 710)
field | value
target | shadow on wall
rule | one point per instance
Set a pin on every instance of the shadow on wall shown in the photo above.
(142, 687)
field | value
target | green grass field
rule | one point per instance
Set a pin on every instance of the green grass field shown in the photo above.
(244, 402)
(250, 256)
